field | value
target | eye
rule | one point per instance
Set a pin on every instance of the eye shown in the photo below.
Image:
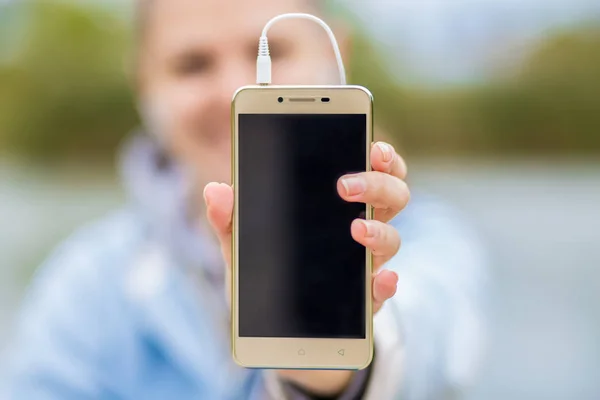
(193, 64)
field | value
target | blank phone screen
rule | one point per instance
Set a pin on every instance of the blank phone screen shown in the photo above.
(300, 272)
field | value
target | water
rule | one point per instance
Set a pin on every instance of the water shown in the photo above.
(540, 221)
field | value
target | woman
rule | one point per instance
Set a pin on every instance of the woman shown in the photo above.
(133, 306)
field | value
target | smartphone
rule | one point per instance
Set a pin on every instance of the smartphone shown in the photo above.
(301, 285)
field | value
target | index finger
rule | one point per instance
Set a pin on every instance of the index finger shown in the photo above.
(385, 159)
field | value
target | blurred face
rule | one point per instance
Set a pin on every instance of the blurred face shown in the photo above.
(196, 53)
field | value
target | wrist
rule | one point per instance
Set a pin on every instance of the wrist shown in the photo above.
(319, 382)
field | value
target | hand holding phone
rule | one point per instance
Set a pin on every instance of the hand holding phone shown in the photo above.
(303, 293)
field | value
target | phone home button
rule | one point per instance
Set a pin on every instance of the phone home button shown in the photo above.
(301, 352)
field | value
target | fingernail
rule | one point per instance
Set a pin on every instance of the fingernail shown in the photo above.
(370, 229)
(396, 276)
(206, 188)
(386, 151)
(354, 185)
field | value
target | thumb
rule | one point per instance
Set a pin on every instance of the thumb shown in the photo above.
(219, 211)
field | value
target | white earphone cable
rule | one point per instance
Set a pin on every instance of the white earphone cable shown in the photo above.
(263, 62)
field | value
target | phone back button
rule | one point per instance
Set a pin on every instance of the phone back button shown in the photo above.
(341, 352)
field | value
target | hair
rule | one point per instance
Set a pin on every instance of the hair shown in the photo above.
(142, 9)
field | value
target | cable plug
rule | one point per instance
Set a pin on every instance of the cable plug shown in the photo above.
(263, 62)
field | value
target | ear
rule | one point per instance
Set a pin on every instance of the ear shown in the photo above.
(131, 72)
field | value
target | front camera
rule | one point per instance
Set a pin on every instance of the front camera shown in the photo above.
(280, 99)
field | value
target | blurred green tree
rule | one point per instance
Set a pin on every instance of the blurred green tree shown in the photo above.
(553, 102)
(65, 93)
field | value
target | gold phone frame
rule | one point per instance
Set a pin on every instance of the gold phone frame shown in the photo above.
(299, 353)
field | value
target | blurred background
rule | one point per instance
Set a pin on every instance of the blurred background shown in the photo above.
(495, 104)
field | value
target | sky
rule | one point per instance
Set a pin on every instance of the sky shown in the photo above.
(461, 41)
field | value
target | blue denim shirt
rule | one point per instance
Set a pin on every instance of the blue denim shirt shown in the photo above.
(132, 307)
